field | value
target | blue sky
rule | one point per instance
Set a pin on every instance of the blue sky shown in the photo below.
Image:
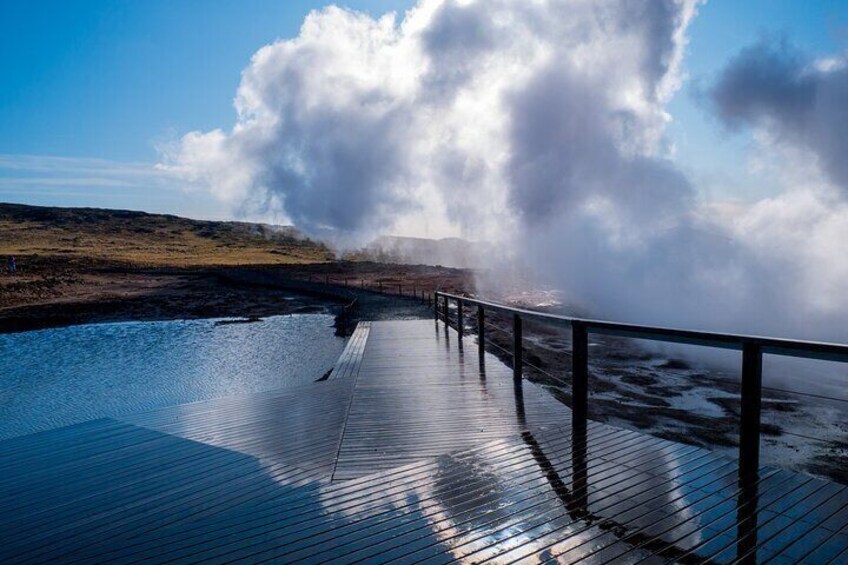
(90, 87)
(721, 29)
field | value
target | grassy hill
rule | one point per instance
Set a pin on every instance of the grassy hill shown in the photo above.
(149, 240)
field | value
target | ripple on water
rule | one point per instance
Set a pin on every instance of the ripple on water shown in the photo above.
(56, 377)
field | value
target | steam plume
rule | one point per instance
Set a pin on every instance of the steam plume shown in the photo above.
(541, 125)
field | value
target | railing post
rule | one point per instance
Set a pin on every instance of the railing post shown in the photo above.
(447, 324)
(749, 425)
(579, 376)
(517, 357)
(459, 321)
(435, 306)
(481, 331)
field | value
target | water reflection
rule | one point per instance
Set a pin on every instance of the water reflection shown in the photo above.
(586, 492)
(590, 494)
(60, 376)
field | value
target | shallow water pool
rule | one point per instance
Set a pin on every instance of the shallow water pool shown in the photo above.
(60, 376)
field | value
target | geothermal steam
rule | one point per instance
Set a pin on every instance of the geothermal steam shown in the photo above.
(541, 126)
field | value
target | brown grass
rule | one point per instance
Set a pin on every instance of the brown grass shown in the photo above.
(149, 240)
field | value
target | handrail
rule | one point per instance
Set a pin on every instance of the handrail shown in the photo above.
(752, 347)
(778, 346)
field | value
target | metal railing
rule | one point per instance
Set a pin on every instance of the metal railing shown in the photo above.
(752, 348)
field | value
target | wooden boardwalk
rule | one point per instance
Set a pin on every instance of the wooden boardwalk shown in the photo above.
(412, 451)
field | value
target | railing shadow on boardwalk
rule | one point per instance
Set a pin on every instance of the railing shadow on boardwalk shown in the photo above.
(752, 348)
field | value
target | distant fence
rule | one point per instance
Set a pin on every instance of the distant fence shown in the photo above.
(391, 287)
(752, 348)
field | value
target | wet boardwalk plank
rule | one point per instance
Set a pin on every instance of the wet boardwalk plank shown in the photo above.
(435, 456)
(296, 426)
(419, 394)
(351, 358)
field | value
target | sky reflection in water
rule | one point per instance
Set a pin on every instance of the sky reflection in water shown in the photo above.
(60, 376)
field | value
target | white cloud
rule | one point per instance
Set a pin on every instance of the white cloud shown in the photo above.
(46, 170)
(774, 88)
(368, 125)
(80, 181)
(541, 125)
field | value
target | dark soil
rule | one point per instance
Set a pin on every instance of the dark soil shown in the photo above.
(59, 293)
